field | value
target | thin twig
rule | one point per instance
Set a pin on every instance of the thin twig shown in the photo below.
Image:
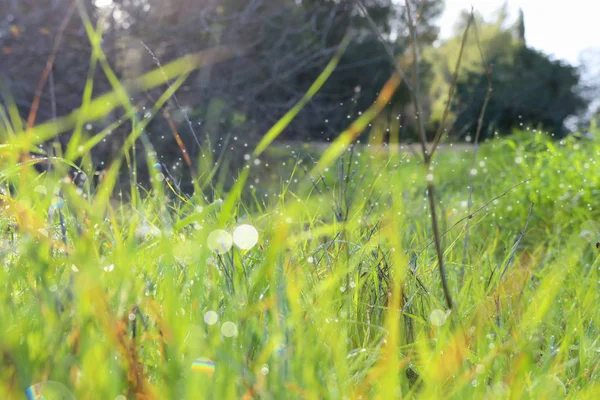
(61, 217)
(427, 157)
(517, 242)
(508, 262)
(441, 128)
(471, 215)
(48, 68)
(488, 95)
(174, 97)
(414, 90)
(383, 42)
(415, 93)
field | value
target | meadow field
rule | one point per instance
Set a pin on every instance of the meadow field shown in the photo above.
(349, 271)
(296, 286)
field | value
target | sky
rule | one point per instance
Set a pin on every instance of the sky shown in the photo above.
(557, 27)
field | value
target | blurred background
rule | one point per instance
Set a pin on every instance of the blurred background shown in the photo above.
(545, 75)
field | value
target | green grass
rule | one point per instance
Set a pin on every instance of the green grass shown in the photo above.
(115, 294)
(340, 298)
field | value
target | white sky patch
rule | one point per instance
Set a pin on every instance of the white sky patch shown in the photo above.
(560, 29)
(103, 3)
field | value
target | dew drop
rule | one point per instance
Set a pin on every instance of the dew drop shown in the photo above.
(437, 317)
(264, 370)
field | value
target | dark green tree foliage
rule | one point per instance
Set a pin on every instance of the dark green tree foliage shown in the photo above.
(366, 66)
(529, 88)
(363, 70)
(521, 26)
(533, 91)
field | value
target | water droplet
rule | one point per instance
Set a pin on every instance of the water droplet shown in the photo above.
(109, 268)
(145, 230)
(437, 317)
(58, 204)
(264, 370)
(480, 368)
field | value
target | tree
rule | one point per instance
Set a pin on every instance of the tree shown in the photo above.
(520, 26)
(28, 30)
(280, 47)
(529, 89)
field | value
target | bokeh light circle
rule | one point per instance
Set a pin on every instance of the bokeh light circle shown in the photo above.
(245, 236)
(438, 317)
(211, 317)
(219, 241)
(204, 365)
(48, 390)
(229, 329)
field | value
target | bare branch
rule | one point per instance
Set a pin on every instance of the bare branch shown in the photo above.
(442, 127)
(488, 95)
(471, 215)
(517, 242)
(427, 158)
